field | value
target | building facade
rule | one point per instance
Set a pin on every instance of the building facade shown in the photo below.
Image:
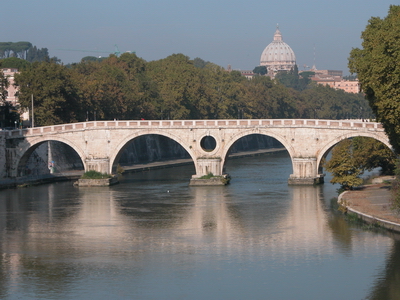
(12, 90)
(334, 79)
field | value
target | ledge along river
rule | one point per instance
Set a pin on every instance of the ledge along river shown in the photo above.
(154, 237)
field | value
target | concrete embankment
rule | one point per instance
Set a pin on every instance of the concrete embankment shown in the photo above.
(6, 183)
(372, 205)
(74, 175)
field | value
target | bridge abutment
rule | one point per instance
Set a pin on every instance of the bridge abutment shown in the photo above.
(305, 172)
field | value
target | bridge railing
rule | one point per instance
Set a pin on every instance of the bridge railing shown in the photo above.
(193, 124)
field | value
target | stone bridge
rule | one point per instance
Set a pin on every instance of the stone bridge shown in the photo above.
(99, 144)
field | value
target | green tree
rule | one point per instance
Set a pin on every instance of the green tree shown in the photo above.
(55, 95)
(18, 49)
(266, 98)
(260, 70)
(4, 83)
(292, 79)
(116, 88)
(9, 116)
(343, 166)
(14, 62)
(200, 63)
(352, 157)
(378, 71)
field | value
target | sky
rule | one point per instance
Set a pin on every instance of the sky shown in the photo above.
(220, 31)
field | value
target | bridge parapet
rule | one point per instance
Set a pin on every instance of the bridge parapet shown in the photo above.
(225, 123)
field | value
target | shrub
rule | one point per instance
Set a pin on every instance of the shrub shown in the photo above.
(395, 199)
(208, 176)
(95, 175)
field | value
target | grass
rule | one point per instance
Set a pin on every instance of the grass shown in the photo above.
(95, 175)
(208, 176)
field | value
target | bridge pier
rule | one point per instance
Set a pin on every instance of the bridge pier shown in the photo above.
(305, 172)
(207, 166)
(101, 165)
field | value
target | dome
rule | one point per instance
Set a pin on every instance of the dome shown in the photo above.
(278, 55)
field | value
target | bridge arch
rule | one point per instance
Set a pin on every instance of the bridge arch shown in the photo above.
(26, 150)
(117, 151)
(323, 152)
(269, 133)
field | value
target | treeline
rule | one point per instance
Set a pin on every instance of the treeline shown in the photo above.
(176, 87)
(23, 50)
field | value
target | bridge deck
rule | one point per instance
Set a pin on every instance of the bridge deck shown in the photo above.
(194, 124)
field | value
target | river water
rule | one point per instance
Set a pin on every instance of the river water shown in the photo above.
(154, 237)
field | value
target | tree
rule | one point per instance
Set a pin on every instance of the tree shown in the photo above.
(292, 79)
(3, 87)
(14, 62)
(352, 157)
(55, 95)
(116, 88)
(200, 63)
(9, 115)
(18, 49)
(343, 167)
(260, 70)
(378, 70)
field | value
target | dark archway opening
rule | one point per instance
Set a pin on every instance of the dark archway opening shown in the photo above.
(148, 149)
(253, 145)
(49, 157)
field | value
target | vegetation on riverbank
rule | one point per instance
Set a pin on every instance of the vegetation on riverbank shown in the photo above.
(395, 192)
(352, 157)
(95, 175)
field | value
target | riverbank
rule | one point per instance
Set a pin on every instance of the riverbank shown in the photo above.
(74, 175)
(372, 204)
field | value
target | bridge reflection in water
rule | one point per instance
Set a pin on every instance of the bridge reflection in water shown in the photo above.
(171, 237)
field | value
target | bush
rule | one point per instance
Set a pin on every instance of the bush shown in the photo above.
(395, 199)
(95, 175)
(208, 176)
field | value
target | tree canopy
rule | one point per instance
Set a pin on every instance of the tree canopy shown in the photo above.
(14, 62)
(378, 70)
(176, 87)
(10, 49)
(352, 157)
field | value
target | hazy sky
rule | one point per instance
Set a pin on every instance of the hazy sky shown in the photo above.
(221, 31)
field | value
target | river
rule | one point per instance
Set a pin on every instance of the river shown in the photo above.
(154, 237)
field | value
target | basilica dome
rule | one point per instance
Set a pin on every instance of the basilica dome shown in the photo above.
(278, 55)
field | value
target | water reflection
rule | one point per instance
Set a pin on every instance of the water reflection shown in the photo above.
(57, 241)
(386, 286)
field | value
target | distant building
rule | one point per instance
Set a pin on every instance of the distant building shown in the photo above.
(334, 79)
(12, 90)
(12, 93)
(247, 73)
(277, 56)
